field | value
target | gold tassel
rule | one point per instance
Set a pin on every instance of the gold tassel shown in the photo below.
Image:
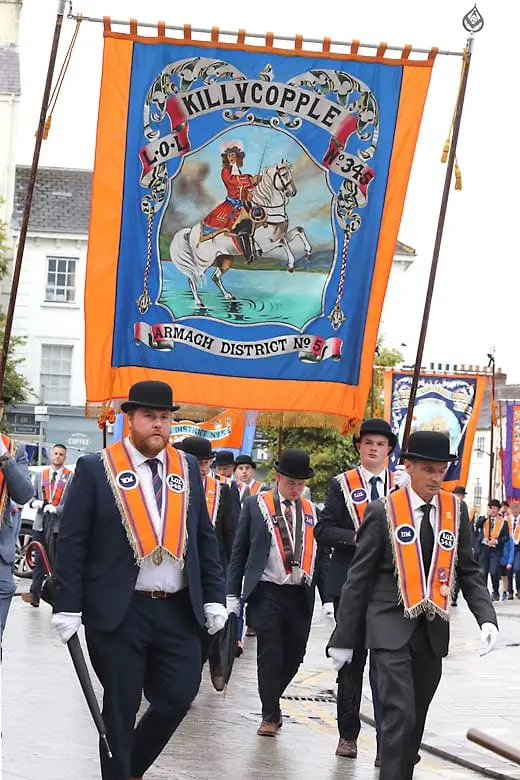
(458, 177)
(445, 151)
(47, 127)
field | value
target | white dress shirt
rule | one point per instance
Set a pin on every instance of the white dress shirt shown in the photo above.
(168, 576)
(272, 571)
(367, 476)
(53, 485)
(417, 502)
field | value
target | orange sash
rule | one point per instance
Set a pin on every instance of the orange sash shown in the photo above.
(355, 493)
(308, 554)
(254, 487)
(59, 488)
(419, 593)
(515, 532)
(212, 492)
(131, 503)
(223, 480)
(3, 483)
(495, 533)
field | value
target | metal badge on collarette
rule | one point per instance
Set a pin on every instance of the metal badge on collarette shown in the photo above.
(473, 22)
(157, 556)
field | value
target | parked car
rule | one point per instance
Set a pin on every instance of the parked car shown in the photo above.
(21, 569)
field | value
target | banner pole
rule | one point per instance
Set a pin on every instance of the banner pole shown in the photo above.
(29, 195)
(438, 241)
(492, 437)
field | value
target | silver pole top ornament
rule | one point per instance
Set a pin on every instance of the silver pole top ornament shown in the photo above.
(473, 22)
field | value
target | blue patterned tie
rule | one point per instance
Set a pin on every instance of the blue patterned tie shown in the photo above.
(374, 492)
(157, 481)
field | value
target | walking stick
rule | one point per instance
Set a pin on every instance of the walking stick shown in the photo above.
(495, 745)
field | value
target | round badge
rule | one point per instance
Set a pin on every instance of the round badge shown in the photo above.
(175, 483)
(405, 534)
(359, 495)
(446, 540)
(127, 480)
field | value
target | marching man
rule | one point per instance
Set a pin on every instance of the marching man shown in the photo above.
(274, 557)
(224, 518)
(49, 497)
(138, 565)
(244, 473)
(347, 498)
(410, 547)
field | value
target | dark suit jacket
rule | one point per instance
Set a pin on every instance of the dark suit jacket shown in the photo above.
(226, 523)
(335, 528)
(371, 589)
(502, 537)
(19, 490)
(250, 553)
(96, 570)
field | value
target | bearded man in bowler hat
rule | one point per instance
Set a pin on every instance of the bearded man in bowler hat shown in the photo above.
(272, 567)
(348, 495)
(410, 547)
(138, 564)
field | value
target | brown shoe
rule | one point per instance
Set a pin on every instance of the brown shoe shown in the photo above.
(30, 599)
(217, 678)
(377, 760)
(267, 729)
(347, 748)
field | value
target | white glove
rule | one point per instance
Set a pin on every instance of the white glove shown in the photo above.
(37, 504)
(488, 637)
(66, 624)
(328, 609)
(233, 605)
(340, 657)
(50, 509)
(401, 476)
(216, 617)
(3, 448)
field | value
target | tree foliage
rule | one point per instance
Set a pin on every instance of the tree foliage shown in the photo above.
(16, 387)
(329, 450)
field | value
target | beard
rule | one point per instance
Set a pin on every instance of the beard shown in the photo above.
(148, 445)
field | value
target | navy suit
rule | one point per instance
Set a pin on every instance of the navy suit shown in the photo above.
(280, 614)
(135, 643)
(489, 557)
(19, 490)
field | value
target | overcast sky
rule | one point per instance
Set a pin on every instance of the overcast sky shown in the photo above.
(475, 300)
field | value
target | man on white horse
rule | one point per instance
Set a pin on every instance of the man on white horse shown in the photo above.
(233, 216)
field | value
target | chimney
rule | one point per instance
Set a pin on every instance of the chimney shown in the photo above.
(10, 20)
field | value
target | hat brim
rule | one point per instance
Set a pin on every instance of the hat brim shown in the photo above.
(130, 406)
(392, 438)
(434, 459)
(252, 464)
(285, 473)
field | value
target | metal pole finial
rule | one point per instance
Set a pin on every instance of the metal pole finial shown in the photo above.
(473, 21)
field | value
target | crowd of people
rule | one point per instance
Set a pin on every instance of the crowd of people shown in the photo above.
(155, 545)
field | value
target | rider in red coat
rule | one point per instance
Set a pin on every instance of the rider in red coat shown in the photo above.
(233, 214)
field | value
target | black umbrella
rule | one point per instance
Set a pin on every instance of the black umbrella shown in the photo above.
(228, 646)
(78, 659)
(74, 645)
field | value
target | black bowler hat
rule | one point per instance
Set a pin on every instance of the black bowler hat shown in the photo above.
(150, 395)
(244, 460)
(460, 490)
(429, 445)
(294, 464)
(378, 426)
(224, 458)
(197, 446)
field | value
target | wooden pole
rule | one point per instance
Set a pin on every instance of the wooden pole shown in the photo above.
(495, 745)
(29, 196)
(438, 241)
(280, 437)
(501, 450)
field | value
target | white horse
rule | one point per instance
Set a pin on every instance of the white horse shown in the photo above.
(268, 198)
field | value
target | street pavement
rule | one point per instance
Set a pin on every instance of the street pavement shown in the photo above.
(48, 735)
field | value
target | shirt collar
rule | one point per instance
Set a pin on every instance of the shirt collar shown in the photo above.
(368, 475)
(59, 472)
(138, 458)
(282, 499)
(417, 502)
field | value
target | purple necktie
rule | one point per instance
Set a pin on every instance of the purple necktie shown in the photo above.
(157, 481)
